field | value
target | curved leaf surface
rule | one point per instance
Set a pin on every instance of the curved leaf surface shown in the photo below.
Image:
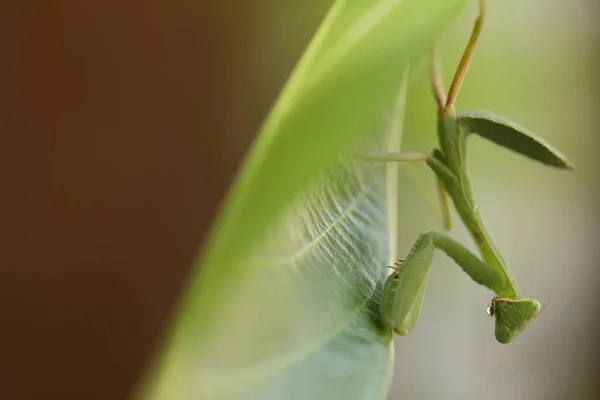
(304, 322)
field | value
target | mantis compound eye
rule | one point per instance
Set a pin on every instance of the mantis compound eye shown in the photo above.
(490, 310)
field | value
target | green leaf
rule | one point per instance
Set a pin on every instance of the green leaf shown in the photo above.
(512, 136)
(283, 303)
(303, 322)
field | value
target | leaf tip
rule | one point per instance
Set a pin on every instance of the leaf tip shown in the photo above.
(570, 166)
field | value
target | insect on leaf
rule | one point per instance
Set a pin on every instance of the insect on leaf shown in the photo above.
(512, 136)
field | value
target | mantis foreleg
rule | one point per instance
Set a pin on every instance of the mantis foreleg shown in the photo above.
(404, 290)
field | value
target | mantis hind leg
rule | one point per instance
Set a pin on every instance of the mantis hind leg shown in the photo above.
(404, 157)
(465, 61)
(436, 80)
(444, 206)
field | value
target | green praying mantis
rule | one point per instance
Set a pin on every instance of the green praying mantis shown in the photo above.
(404, 289)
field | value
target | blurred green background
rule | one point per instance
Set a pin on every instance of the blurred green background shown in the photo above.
(537, 64)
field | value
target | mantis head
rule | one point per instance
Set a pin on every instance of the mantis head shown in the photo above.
(512, 316)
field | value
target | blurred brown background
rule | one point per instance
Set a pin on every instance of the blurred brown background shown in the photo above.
(113, 163)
